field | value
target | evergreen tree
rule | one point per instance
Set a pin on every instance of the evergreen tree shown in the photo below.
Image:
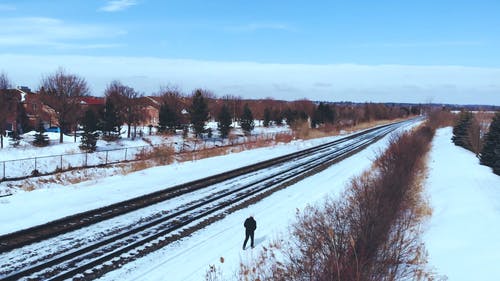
(303, 115)
(41, 139)
(199, 113)
(89, 137)
(278, 117)
(322, 114)
(318, 117)
(290, 116)
(294, 115)
(224, 123)
(267, 117)
(490, 153)
(247, 122)
(461, 130)
(15, 138)
(110, 121)
(168, 119)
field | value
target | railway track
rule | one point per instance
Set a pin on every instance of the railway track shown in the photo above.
(74, 262)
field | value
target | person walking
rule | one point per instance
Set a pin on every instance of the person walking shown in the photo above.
(250, 226)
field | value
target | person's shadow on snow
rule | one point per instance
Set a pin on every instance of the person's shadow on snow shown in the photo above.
(259, 240)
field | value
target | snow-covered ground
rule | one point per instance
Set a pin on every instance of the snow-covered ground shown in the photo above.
(461, 236)
(190, 258)
(17, 161)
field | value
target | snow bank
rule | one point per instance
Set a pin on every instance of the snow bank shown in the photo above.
(463, 233)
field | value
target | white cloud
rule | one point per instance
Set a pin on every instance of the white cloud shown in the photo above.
(340, 82)
(43, 31)
(117, 5)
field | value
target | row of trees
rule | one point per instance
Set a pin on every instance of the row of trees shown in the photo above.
(124, 105)
(467, 133)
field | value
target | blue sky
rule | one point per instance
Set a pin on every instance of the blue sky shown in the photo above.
(463, 34)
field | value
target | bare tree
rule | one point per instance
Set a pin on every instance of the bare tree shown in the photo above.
(4, 81)
(127, 101)
(60, 91)
(4, 104)
(235, 104)
(174, 98)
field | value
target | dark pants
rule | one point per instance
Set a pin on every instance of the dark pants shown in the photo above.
(248, 234)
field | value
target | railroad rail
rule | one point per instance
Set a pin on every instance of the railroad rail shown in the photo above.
(87, 257)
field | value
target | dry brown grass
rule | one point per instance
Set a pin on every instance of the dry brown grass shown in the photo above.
(28, 186)
(366, 125)
(165, 154)
(302, 130)
(284, 138)
(372, 232)
(136, 166)
(218, 151)
(440, 118)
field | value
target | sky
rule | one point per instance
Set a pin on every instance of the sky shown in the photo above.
(410, 51)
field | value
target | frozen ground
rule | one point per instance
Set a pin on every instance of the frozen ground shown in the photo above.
(463, 233)
(461, 236)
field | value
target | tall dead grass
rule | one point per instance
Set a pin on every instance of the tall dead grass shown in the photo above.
(371, 233)
(302, 130)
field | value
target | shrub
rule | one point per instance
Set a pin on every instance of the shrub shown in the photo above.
(41, 138)
(370, 233)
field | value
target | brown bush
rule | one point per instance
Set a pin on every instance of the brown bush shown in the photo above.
(284, 138)
(440, 118)
(163, 154)
(371, 233)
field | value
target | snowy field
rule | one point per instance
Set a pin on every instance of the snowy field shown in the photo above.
(461, 236)
(21, 160)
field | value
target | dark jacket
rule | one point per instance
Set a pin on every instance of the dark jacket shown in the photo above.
(250, 224)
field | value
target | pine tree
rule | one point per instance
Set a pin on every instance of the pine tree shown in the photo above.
(278, 118)
(224, 123)
(15, 139)
(247, 122)
(168, 119)
(41, 139)
(267, 117)
(290, 116)
(89, 137)
(496, 166)
(490, 153)
(199, 113)
(322, 114)
(461, 130)
(110, 120)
